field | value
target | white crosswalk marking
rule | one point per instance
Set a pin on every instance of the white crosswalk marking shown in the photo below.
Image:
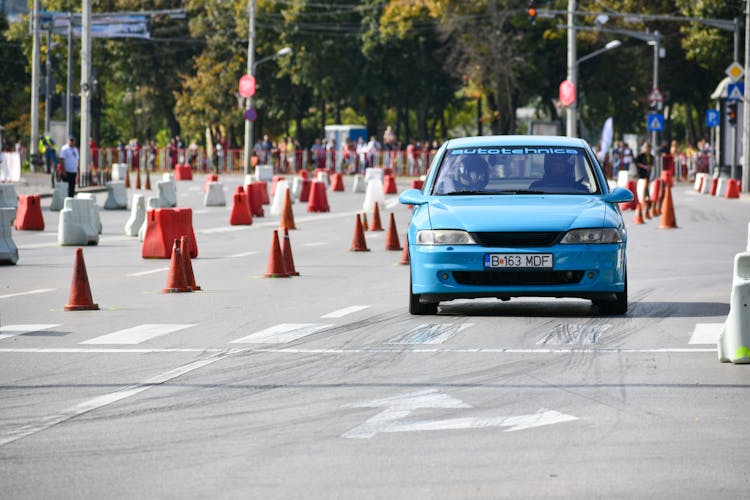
(280, 334)
(31, 292)
(706, 333)
(137, 334)
(343, 312)
(15, 330)
(430, 333)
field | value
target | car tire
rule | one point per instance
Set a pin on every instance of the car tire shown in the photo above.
(418, 308)
(617, 306)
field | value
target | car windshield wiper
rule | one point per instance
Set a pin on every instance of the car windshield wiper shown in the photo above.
(523, 191)
(468, 191)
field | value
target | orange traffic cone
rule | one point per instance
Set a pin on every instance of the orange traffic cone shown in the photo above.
(358, 242)
(189, 276)
(80, 292)
(177, 281)
(639, 215)
(138, 178)
(391, 242)
(276, 267)
(667, 212)
(148, 181)
(405, 256)
(287, 215)
(647, 210)
(365, 225)
(286, 254)
(375, 225)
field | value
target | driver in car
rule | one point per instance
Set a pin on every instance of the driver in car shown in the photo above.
(559, 175)
(470, 173)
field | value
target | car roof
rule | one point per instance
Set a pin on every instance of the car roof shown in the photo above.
(516, 140)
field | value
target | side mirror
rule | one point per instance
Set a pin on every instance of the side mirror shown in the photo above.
(619, 195)
(412, 197)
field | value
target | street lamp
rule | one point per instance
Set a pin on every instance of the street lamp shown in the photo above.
(610, 45)
(249, 102)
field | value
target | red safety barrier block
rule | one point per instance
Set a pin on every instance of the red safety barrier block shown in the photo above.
(254, 199)
(417, 184)
(29, 214)
(733, 189)
(304, 174)
(318, 201)
(240, 215)
(389, 184)
(655, 191)
(304, 191)
(387, 171)
(631, 205)
(667, 177)
(163, 226)
(338, 182)
(183, 173)
(261, 189)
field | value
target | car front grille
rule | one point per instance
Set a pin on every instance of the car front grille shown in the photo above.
(517, 278)
(517, 239)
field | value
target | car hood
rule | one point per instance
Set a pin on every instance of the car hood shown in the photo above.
(521, 212)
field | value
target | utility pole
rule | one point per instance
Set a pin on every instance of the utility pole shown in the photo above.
(83, 146)
(571, 112)
(48, 80)
(69, 83)
(34, 142)
(249, 100)
(746, 107)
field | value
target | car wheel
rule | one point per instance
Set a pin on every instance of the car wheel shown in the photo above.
(418, 308)
(617, 306)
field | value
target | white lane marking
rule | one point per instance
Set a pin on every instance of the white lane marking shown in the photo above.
(567, 333)
(103, 241)
(151, 271)
(9, 331)
(30, 292)
(138, 334)
(399, 407)
(315, 244)
(202, 211)
(430, 333)
(280, 334)
(243, 254)
(107, 399)
(422, 350)
(343, 312)
(104, 350)
(706, 333)
(227, 229)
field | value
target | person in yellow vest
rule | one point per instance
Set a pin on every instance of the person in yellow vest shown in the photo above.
(47, 149)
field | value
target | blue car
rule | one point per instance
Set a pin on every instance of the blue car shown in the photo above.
(517, 216)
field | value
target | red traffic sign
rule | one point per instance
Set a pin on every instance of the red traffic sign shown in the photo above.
(251, 115)
(247, 86)
(567, 93)
(656, 96)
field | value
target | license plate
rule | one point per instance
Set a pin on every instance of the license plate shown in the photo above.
(518, 260)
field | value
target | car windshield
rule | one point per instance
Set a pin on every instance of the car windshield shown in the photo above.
(515, 170)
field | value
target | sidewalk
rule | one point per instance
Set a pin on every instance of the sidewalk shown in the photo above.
(41, 184)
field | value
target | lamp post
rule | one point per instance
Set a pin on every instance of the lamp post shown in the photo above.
(572, 111)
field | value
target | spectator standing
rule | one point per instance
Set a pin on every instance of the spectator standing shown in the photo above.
(265, 149)
(47, 148)
(627, 157)
(643, 164)
(70, 156)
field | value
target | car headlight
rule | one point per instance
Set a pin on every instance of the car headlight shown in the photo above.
(589, 236)
(444, 237)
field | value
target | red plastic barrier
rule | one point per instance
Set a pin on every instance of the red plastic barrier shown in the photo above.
(29, 214)
(714, 186)
(318, 201)
(417, 184)
(183, 173)
(387, 171)
(656, 189)
(631, 205)
(389, 184)
(261, 189)
(209, 179)
(733, 189)
(667, 176)
(254, 199)
(304, 174)
(338, 182)
(240, 215)
(304, 192)
(163, 226)
(324, 170)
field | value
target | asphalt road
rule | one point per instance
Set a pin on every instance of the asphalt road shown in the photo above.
(323, 386)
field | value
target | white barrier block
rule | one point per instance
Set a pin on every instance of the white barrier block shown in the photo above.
(721, 186)
(359, 184)
(264, 173)
(374, 173)
(322, 177)
(214, 196)
(94, 210)
(641, 188)
(152, 202)
(699, 179)
(8, 249)
(296, 187)
(119, 171)
(8, 196)
(623, 176)
(76, 226)
(167, 193)
(137, 215)
(117, 196)
(373, 194)
(706, 188)
(279, 197)
(167, 177)
(248, 179)
(734, 340)
(58, 196)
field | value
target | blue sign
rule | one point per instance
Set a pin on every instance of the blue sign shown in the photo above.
(655, 122)
(712, 118)
(735, 91)
(251, 115)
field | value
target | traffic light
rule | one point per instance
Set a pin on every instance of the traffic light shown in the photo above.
(732, 112)
(532, 11)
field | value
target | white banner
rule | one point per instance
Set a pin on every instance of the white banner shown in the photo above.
(10, 167)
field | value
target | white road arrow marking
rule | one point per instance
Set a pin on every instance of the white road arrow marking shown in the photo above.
(400, 407)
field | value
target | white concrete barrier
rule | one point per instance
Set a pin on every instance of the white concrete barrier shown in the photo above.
(296, 187)
(167, 193)
(215, 196)
(322, 177)
(119, 171)
(76, 226)
(360, 186)
(8, 196)
(167, 177)
(734, 340)
(264, 173)
(137, 215)
(58, 196)
(641, 187)
(152, 202)
(374, 193)
(279, 197)
(8, 248)
(699, 179)
(721, 186)
(374, 173)
(94, 210)
(117, 196)
(706, 188)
